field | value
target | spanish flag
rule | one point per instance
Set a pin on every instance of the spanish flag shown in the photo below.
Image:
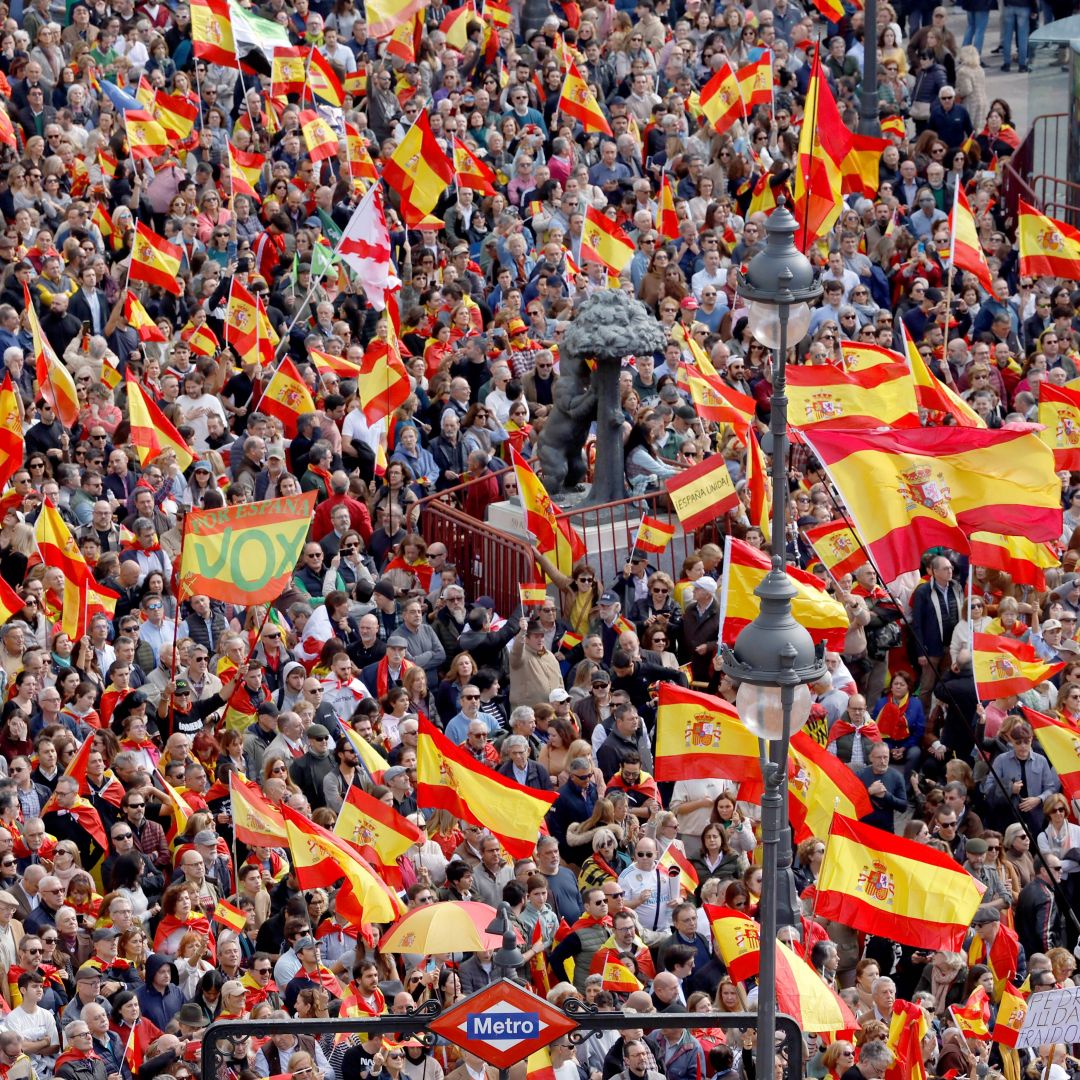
(384, 384)
(455, 25)
(321, 859)
(1002, 666)
(579, 102)
(837, 546)
(449, 778)
(860, 167)
(7, 130)
(973, 1017)
(758, 485)
(323, 82)
(1061, 744)
(756, 82)
(1047, 246)
(288, 68)
(907, 1029)
(703, 492)
(378, 831)
(58, 548)
(286, 396)
(55, 383)
(538, 1065)
(11, 432)
(383, 16)
(874, 881)
(361, 167)
(653, 535)
(824, 144)
(556, 538)
(136, 315)
(372, 762)
(673, 859)
(146, 137)
(497, 12)
(745, 567)
(532, 593)
(255, 821)
(700, 737)
(908, 491)
(738, 940)
(802, 994)
(155, 260)
(319, 137)
(833, 10)
(823, 395)
(152, 433)
(212, 32)
(328, 364)
(176, 114)
(820, 786)
(1024, 561)
(242, 322)
(180, 811)
(604, 242)
(229, 915)
(894, 126)
(1059, 413)
(245, 169)
(935, 396)
(418, 170)
(721, 100)
(966, 252)
(1002, 958)
(619, 979)
(11, 603)
(1010, 1016)
(667, 223)
(103, 221)
(715, 400)
(471, 171)
(203, 341)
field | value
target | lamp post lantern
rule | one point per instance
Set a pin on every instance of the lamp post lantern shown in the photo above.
(774, 658)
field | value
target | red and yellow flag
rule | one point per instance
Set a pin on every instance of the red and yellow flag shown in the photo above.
(58, 548)
(532, 593)
(1010, 1016)
(471, 171)
(820, 786)
(136, 315)
(449, 778)
(618, 978)
(703, 492)
(379, 832)
(328, 364)
(7, 130)
(941, 491)
(288, 68)
(967, 251)
(824, 395)
(176, 114)
(1003, 666)
(579, 102)
(674, 859)
(1047, 246)
(1025, 562)
(146, 137)
(884, 884)
(824, 144)
(384, 16)
(323, 82)
(384, 384)
(418, 170)
(247, 551)
(245, 169)
(837, 546)
(721, 100)
(361, 166)
(229, 915)
(538, 1066)
(1002, 958)
(1062, 748)
(555, 537)
(802, 994)
(255, 820)
(893, 125)
(907, 1029)
(152, 433)
(321, 859)
(212, 32)
(861, 166)
(700, 737)
(604, 242)
(745, 567)
(973, 1017)
(55, 383)
(653, 535)
(319, 137)
(758, 485)
(155, 260)
(11, 432)
(738, 940)
(756, 82)
(715, 400)
(242, 323)
(1059, 413)
(936, 397)
(667, 223)
(286, 396)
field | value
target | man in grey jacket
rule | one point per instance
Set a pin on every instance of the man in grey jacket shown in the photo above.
(423, 646)
(1018, 782)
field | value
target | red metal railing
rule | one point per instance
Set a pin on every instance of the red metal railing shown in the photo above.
(489, 562)
(1045, 149)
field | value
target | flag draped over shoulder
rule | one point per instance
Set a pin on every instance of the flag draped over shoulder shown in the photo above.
(884, 884)
(908, 491)
(245, 554)
(449, 778)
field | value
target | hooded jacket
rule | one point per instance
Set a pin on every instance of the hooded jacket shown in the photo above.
(156, 1006)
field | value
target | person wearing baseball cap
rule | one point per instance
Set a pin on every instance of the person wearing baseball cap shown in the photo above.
(701, 628)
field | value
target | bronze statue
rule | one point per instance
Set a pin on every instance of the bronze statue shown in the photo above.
(608, 327)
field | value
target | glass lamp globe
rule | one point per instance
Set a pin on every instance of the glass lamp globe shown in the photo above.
(765, 322)
(760, 709)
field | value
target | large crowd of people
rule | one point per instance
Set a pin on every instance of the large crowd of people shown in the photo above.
(115, 960)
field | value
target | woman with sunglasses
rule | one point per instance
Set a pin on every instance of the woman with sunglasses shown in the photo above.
(579, 592)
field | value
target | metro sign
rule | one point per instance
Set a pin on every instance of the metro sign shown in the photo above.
(502, 1024)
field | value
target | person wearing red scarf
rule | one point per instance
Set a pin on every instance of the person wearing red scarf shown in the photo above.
(586, 938)
(79, 1062)
(851, 737)
(363, 997)
(178, 903)
(259, 983)
(902, 724)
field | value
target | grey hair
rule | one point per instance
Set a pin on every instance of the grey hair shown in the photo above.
(522, 712)
(579, 764)
(877, 1056)
(515, 742)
